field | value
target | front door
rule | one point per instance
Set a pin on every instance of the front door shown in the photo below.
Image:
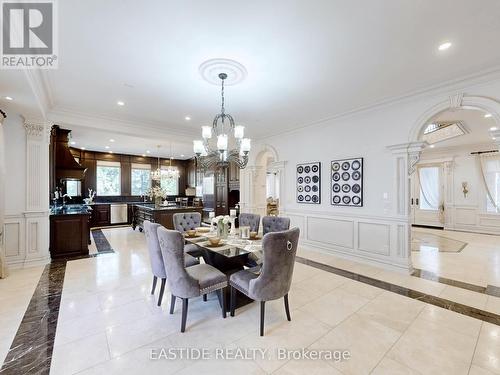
(427, 196)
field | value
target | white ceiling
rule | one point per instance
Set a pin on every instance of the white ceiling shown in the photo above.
(477, 128)
(306, 61)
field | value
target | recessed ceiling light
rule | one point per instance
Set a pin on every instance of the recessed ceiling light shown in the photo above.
(73, 142)
(106, 147)
(493, 138)
(187, 118)
(148, 152)
(493, 128)
(143, 155)
(182, 155)
(444, 46)
(111, 140)
(120, 103)
(9, 98)
(432, 146)
(83, 148)
(110, 152)
(488, 115)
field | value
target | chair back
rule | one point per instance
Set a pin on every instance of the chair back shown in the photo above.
(275, 224)
(250, 220)
(172, 250)
(186, 220)
(155, 257)
(275, 278)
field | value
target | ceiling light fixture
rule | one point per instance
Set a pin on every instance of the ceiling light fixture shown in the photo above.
(221, 155)
(120, 103)
(432, 146)
(143, 155)
(488, 115)
(182, 155)
(444, 46)
(9, 98)
(148, 152)
(106, 147)
(187, 118)
(110, 152)
(73, 143)
(83, 148)
(111, 140)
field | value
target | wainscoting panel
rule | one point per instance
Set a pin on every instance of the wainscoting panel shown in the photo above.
(14, 238)
(319, 229)
(472, 219)
(465, 216)
(374, 238)
(382, 241)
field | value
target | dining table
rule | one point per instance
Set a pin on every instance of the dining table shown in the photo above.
(231, 255)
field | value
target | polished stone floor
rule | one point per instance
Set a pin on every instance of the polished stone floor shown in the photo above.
(477, 263)
(108, 322)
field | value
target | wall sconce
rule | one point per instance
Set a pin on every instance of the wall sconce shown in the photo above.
(464, 189)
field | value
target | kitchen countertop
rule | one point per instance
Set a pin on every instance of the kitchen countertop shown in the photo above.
(70, 209)
(152, 207)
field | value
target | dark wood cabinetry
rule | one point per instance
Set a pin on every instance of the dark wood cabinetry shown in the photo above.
(160, 215)
(101, 215)
(69, 235)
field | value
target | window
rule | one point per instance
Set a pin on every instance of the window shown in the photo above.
(170, 185)
(141, 179)
(73, 188)
(490, 165)
(108, 178)
(430, 196)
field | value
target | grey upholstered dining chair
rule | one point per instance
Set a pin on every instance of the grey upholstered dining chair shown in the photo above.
(188, 282)
(275, 224)
(156, 259)
(185, 221)
(250, 220)
(274, 278)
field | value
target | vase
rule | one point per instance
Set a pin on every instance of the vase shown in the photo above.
(158, 201)
(222, 230)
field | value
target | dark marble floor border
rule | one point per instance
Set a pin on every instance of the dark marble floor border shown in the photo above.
(32, 347)
(101, 242)
(428, 275)
(473, 312)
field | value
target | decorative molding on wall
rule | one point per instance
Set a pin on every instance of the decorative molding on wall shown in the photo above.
(456, 101)
(472, 219)
(381, 241)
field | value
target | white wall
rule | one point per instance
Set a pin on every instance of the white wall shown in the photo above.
(15, 166)
(379, 231)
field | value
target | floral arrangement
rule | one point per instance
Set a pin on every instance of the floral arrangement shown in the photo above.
(222, 222)
(156, 192)
(91, 197)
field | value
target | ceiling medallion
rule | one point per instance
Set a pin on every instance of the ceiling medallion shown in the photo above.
(211, 69)
(225, 149)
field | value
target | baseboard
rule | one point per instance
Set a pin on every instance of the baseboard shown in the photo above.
(26, 263)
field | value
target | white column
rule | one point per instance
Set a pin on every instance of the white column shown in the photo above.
(37, 191)
(405, 158)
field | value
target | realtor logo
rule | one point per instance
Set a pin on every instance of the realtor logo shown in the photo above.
(28, 35)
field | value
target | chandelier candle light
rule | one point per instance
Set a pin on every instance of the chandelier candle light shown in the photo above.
(222, 126)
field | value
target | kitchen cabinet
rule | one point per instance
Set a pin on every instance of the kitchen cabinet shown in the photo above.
(69, 234)
(101, 215)
(162, 215)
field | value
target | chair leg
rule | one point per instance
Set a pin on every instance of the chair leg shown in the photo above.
(162, 289)
(232, 299)
(184, 314)
(155, 279)
(205, 298)
(287, 308)
(223, 298)
(262, 311)
(172, 304)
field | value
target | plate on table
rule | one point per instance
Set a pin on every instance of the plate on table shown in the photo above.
(218, 245)
(202, 229)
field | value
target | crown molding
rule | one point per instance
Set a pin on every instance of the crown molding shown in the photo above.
(132, 126)
(477, 79)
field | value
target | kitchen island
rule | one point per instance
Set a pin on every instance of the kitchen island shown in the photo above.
(69, 230)
(158, 214)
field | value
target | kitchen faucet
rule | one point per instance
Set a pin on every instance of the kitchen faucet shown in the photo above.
(64, 200)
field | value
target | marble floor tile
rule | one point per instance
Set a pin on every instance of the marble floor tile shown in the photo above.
(300, 367)
(392, 310)
(487, 354)
(430, 348)
(388, 366)
(476, 370)
(366, 340)
(79, 355)
(334, 307)
(465, 297)
(449, 319)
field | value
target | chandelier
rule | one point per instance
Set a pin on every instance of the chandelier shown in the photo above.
(222, 126)
(168, 172)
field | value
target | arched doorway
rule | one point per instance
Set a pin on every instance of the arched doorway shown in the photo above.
(448, 191)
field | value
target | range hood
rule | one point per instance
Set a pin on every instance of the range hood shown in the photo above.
(66, 167)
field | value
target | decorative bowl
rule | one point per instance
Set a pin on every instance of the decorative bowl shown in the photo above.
(214, 241)
(253, 235)
(191, 233)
